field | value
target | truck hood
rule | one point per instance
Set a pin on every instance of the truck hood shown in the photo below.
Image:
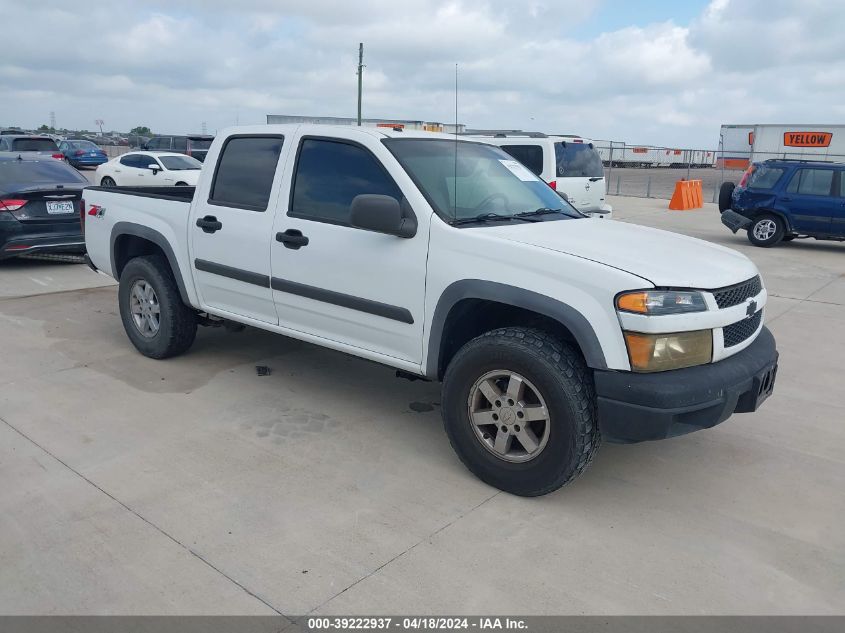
(661, 257)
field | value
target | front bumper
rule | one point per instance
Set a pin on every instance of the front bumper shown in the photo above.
(636, 407)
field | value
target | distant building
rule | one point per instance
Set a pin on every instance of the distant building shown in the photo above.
(428, 126)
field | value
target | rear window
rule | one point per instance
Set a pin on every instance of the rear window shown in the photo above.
(179, 163)
(245, 172)
(34, 145)
(577, 160)
(17, 173)
(529, 155)
(764, 177)
(200, 143)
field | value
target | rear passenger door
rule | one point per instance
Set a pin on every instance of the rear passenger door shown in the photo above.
(809, 200)
(354, 287)
(231, 227)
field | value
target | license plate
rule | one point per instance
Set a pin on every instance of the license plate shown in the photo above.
(55, 208)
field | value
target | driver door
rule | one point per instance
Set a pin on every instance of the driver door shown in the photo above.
(335, 281)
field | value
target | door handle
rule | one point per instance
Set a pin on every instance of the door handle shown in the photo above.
(209, 224)
(787, 199)
(292, 238)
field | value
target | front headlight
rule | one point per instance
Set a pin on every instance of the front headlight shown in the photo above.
(662, 352)
(654, 302)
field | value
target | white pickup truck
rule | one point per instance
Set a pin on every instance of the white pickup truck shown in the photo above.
(447, 260)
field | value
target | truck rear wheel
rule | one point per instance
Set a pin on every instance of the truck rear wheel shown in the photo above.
(156, 320)
(519, 410)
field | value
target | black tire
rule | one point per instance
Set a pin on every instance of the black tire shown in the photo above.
(108, 181)
(177, 322)
(181, 184)
(725, 193)
(560, 374)
(767, 220)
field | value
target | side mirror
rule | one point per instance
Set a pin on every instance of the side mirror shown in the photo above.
(155, 168)
(383, 214)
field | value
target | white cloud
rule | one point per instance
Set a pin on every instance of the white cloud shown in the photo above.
(172, 66)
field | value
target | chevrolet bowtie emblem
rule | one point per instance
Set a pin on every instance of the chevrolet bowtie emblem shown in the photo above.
(751, 310)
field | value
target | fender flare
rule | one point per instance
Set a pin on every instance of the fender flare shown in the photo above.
(138, 230)
(783, 216)
(559, 311)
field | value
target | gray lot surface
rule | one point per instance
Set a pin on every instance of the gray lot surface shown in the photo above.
(134, 486)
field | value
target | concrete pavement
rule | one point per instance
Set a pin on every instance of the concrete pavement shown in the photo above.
(194, 485)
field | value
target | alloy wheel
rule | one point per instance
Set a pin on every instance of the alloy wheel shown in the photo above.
(145, 308)
(509, 416)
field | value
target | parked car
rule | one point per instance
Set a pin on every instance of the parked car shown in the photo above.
(39, 206)
(148, 169)
(82, 153)
(447, 260)
(194, 145)
(570, 164)
(781, 200)
(30, 145)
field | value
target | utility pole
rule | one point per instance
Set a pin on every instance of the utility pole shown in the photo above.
(360, 77)
(52, 121)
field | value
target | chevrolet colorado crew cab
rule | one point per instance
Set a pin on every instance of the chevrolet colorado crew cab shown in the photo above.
(447, 260)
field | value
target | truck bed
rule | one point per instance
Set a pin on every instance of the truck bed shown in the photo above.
(179, 194)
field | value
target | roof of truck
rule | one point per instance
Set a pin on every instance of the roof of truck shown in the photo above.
(328, 130)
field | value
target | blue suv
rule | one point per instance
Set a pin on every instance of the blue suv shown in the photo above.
(780, 200)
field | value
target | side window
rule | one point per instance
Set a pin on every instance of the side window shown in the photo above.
(329, 174)
(245, 172)
(129, 161)
(180, 144)
(841, 175)
(529, 155)
(811, 182)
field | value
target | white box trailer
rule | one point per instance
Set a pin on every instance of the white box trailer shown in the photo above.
(743, 144)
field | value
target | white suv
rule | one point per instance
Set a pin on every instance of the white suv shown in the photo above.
(570, 164)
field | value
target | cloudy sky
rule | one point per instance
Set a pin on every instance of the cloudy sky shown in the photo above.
(660, 71)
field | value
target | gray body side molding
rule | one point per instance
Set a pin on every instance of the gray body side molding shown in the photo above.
(145, 232)
(564, 314)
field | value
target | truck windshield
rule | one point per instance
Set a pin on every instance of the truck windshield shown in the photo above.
(464, 180)
(577, 160)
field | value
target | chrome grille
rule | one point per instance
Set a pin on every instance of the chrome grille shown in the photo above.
(736, 333)
(736, 294)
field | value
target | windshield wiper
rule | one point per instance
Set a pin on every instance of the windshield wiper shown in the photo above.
(540, 211)
(485, 217)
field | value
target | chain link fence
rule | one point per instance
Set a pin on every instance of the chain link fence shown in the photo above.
(648, 171)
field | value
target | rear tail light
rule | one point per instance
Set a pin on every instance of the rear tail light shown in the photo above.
(11, 204)
(553, 184)
(746, 176)
(82, 215)
(58, 156)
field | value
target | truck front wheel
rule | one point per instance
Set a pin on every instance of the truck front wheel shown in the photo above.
(519, 409)
(156, 320)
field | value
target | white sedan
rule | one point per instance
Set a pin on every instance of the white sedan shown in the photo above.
(149, 169)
